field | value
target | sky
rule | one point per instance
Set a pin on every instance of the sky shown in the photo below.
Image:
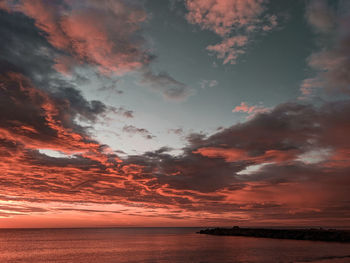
(174, 113)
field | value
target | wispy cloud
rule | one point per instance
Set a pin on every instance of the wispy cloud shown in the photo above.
(234, 21)
(251, 110)
(208, 83)
(141, 131)
(170, 88)
(123, 112)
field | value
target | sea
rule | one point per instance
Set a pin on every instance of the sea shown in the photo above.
(164, 245)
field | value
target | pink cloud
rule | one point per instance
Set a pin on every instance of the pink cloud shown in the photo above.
(101, 33)
(220, 16)
(4, 5)
(308, 85)
(229, 49)
(272, 23)
(251, 110)
(224, 17)
(46, 18)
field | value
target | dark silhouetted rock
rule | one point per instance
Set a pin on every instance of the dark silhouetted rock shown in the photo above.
(330, 235)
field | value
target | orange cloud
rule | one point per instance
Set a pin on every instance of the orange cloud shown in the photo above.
(230, 155)
(236, 155)
(41, 120)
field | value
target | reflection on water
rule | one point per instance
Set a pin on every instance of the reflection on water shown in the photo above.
(158, 245)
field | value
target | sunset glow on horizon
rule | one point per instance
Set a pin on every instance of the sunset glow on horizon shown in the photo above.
(151, 113)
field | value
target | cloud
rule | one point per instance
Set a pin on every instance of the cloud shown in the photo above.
(229, 49)
(251, 110)
(331, 63)
(106, 35)
(88, 32)
(123, 112)
(21, 209)
(208, 83)
(206, 182)
(235, 155)
(320, 15)
(4, 5)
(284, 135)
(302, 151)
(31, 120)
(111, 89)
(170, 88)
(26, 52)
(36, 119)
(233, 20)
(272, 23)
(221, 16)
(309, 85)
(134, 130)
(78, 104)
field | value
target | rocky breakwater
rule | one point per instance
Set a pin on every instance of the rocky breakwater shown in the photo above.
(319, 234)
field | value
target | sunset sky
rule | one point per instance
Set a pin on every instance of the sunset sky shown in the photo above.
(174, 113)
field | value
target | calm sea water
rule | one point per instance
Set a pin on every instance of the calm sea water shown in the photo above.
(158, 245)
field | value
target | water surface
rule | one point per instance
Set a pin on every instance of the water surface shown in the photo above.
(158, 245)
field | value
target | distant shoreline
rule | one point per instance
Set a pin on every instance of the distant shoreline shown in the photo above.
(313, 234)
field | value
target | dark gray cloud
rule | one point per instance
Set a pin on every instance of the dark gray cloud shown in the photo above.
(25, 50)
(169, 87)
(289, 131)
(88, 110)
(141, 131)
(123, 112)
